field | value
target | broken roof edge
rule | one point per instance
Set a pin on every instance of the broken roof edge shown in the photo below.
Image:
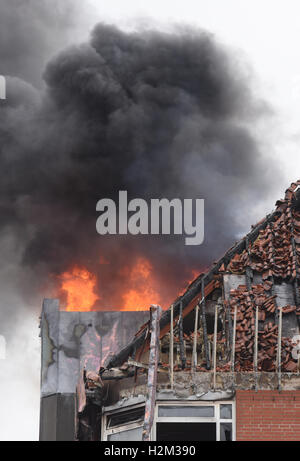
(193, 290)
(292, 196)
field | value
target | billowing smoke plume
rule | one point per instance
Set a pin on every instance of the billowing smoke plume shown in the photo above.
(33, 30)
(157, 114)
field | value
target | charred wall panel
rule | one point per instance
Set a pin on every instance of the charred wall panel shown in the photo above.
(72, 341)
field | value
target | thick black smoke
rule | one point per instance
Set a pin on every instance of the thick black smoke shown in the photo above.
(157, 114)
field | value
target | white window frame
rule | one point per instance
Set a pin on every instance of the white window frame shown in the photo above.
(184, 419)
(105, 433)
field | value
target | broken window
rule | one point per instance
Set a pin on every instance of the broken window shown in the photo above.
(173, 421)
(124, 425)
(125, 417)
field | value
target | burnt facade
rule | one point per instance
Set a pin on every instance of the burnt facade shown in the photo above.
(229, 343)
(74, 342)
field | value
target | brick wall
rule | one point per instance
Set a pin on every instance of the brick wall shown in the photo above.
(268, 415)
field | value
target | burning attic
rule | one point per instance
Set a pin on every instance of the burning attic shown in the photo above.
(201, 370)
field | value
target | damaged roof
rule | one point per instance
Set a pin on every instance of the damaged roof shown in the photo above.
(271, 250)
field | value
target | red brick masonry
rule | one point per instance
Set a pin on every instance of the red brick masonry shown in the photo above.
(268, 415)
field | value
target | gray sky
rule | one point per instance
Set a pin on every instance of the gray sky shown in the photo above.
(265, 35)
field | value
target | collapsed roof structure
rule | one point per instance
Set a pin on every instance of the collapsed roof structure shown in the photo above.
(260, 272)
(235, 328)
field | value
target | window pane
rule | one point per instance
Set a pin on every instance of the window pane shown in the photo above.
(226, 411)
(124, 417)
(225, 432)
(132, 435)
(182, 411)
(186, 432)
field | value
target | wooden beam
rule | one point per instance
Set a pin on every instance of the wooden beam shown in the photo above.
(145, 365)
(215, 343)
(115, 374)
(229, 335)
(233, 339)
(193, 303)
(204, 326)
(195, 337)
(181, 342)
(155, 314)
(171, 348)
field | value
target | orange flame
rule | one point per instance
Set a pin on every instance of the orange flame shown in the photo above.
(193, 275)
(79, 285)
(142, 293)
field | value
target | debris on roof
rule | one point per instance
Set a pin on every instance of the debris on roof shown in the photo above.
(268, 260)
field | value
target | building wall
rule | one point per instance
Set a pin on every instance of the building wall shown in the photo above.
(57, 422)
(72, 341)
(267, 415)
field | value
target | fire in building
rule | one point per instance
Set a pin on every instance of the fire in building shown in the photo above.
(221, 364)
